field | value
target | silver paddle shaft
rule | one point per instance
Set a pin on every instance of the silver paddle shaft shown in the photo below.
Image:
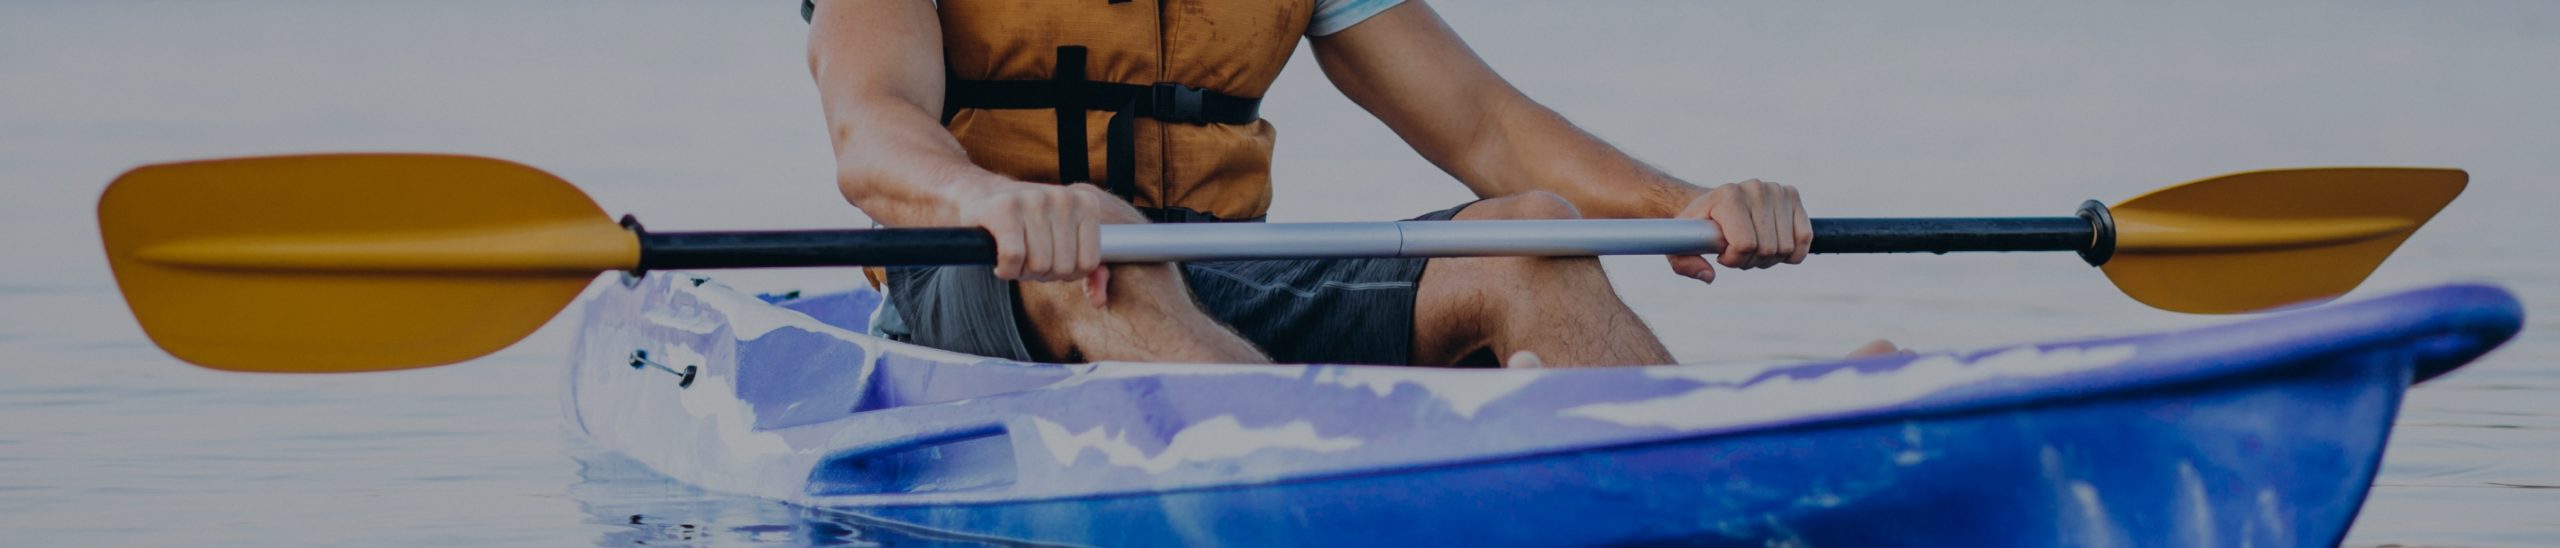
(1557, 238)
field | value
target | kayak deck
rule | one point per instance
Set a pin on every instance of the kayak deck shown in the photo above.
(2265, 431)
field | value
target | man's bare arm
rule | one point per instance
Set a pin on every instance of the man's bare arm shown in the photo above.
(1413, 72)
(1409, 69)
(878, 66)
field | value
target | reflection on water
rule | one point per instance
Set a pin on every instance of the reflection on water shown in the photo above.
(638, 507)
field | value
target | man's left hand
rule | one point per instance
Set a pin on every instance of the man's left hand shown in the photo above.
(1763, 224)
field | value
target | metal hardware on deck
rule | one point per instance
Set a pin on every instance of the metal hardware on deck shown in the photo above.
(640, 358)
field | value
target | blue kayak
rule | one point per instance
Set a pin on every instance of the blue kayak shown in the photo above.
(2264, 432)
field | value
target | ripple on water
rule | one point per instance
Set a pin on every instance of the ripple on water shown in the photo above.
(2477, 515)
(2478, 434)
(638, 507)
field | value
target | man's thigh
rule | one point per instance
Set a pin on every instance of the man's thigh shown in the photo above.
(1355, 311)
(1347, 311)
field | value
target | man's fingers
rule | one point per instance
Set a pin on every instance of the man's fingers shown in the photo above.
(1783, 218)
(1764, 227)
(1008, 234)
(1097, 287)
(1763, 223)
(1067, 230)
(1740, 238)
(1693, 267)
(1037, 244)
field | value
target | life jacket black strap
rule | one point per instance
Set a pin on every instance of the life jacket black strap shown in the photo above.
(1068, 97)
(1169, 102)
(1071, 95)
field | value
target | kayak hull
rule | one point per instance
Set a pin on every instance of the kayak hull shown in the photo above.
(2076, 476)
(2265, 432)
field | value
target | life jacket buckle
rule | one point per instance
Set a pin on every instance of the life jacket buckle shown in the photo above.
(1174, 102)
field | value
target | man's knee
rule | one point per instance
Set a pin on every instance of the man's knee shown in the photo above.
(1060, 317)
(1501, 277)
(1150, 317)
(1537, 204)
(1515, 272)
(1133, 286)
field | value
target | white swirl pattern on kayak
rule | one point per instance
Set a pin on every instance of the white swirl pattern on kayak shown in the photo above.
(1465, 391)
(749, 317)
(1219, 438)
(1781, 397)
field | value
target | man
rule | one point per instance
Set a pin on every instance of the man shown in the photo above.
(994, 114)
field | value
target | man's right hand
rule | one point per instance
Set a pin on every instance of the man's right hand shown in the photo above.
(1048, 233)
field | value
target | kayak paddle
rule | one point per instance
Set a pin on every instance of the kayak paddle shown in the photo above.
(367, 262)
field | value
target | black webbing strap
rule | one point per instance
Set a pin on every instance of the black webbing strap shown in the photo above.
(1067, 97)
(1071, 95)
(1167, 102)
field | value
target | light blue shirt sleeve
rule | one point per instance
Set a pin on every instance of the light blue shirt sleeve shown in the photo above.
(1334, 15)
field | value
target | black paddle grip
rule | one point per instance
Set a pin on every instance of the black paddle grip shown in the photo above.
(876, 247)
(2080, 233)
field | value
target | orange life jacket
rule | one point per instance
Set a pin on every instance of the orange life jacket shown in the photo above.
(1169, 88)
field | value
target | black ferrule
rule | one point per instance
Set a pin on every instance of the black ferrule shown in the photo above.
(901, 247)
(1944, 235)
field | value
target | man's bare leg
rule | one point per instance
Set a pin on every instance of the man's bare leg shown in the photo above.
(1151, 317)
(1561, 309)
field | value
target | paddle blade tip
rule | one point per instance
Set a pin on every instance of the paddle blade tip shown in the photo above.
(2272, 239)
(349, 262)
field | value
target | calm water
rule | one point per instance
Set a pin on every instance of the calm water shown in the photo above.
(698, 115)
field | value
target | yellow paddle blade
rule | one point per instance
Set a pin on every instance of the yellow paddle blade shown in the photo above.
(2265, 239)
(350, 262)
